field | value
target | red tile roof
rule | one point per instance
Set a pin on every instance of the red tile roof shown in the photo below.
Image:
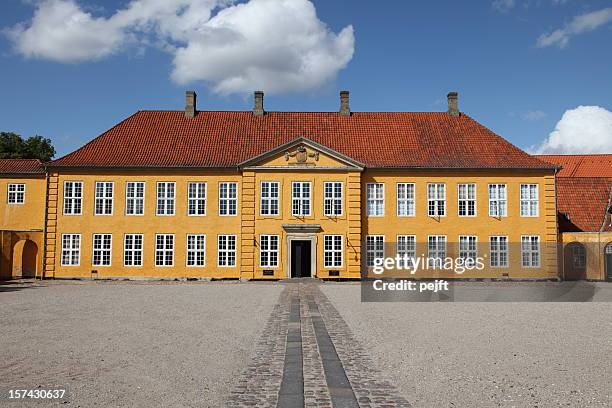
(581, 165)
(225, 139)
(582, 203)
(21, 166)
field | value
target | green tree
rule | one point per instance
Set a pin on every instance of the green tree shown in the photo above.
(13, 146)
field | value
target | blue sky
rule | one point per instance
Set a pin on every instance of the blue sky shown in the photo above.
(512, 75)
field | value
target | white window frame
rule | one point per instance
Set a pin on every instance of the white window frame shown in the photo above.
(433, 202)
(194, 249)
(133, 249)
(333, 251)
(19, 190)
(301, 204)
(406, 246)
(528, 203)
(225, 201)
(164, 250)
(375, 248)
(406, 193)
(131, 203)
(498, 205)
(528, 253)
(499, 255)
(102, 250)
(468, 248)
(271, 201)
(467, 199)
(196, 199)
(73, 199)
(375, 199)
(332, 199)
(104, 199)
(438, 241)
(226, 250)
(267, 251)
(165, 199)
(71, 249)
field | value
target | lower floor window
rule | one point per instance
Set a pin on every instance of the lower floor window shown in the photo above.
(375, 248)
(102, 249)
(436, 250)
(530, 251)
(71, 249)
(132, 250)
(332, 251)
(268, 251)
(468, 249)
(196, 249)
(406, 250)
(498, 251)
(164, 250)
(226, 245)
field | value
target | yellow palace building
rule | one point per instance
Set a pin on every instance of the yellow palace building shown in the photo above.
(268, 195)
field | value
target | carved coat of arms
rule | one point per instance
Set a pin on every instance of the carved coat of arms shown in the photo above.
(301, 155)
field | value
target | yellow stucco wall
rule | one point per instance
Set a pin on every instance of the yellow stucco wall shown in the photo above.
(594, 244)
(27, 216)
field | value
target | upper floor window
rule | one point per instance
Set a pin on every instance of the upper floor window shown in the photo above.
(375, 199)
(375, 248)
(332, 199)
(436, 199)
(104, 198)
(134, 197)
(16, 193)
(529, 200)
(165, 197)
(196, 198)
(228, 198)
(268, 251)
(102, 249)
(332, 251)
(530, 251)
(196, 249)
(132, 250)
(467, 200)
(73, 197)
(405, 199)
(226, 250)
(497, 200)
(300, 193)
(269, 198)
(71, 249)
(498, 251)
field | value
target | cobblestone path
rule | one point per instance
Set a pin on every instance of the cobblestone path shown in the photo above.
(308, 357)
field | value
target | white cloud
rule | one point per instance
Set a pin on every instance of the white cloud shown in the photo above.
(579, 24)
(585, 129)
(503, 6)
(533, 115)
(274, 45)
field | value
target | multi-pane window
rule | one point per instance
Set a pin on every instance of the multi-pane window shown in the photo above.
(375, 248)
(405, 199)
(269, 197)
(498, 251)
(300, 198)
(102, 244)
(375, 199)
(226, 250)
(196, 250)
(497, 200)
(530, 251)
(332, 251)
(332, 199)
(467, 200)
(406, 249)
(104, 198)
(164, 250)
(436, 250)
(196, 198)
(132, 250)
(578, 256)
(228, 198)
(468, 249)
(73, 197)
(268, 251)
(529, 200)
(436, 199)
(166, 191)
(16, 193)
(71, 249)
(134, 197)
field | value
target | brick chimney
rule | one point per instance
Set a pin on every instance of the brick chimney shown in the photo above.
(190, 104)
(345, 109)
(258, 108)
(453, 103)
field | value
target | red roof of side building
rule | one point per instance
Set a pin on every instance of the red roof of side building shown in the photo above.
(21, 166)
(581, 165)
(582, 203)
(226, 139)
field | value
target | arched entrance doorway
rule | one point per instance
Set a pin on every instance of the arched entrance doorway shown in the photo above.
(25, 259)
(608, 261)
(575, 261)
